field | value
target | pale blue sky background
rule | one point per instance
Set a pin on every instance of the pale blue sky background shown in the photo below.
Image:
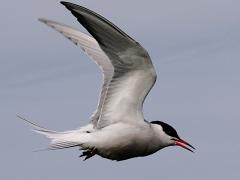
(195, 47)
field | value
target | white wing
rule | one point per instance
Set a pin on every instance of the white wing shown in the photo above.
(133, 76)
(90, 46)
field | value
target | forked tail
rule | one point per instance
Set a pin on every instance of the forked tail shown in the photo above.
(59, 140)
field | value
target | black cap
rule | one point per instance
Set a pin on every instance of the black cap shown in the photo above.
(169, 130)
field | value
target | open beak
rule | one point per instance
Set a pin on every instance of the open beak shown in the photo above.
(184, 145)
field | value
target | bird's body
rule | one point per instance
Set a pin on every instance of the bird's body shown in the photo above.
(122, 141)
(117, 129)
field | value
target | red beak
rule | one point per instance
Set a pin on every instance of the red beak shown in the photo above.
(184, 145)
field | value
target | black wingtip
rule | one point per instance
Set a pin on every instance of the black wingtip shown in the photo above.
(63, 2)
(68, 4)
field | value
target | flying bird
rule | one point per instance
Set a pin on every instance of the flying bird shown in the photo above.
(117, 129)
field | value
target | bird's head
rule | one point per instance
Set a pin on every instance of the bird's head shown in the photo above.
(168, 135)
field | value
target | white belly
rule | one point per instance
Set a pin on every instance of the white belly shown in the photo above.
(122, 141)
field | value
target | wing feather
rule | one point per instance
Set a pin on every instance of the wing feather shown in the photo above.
(133, 72)
(91, 48)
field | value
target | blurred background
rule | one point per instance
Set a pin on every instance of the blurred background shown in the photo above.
(195, 47)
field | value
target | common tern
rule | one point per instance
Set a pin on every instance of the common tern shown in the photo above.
(117, 129)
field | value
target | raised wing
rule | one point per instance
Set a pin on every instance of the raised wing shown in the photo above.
(133, 76)
(90, 46)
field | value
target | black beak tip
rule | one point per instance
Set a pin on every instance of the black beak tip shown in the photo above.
(185, 145)
(191, 146)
